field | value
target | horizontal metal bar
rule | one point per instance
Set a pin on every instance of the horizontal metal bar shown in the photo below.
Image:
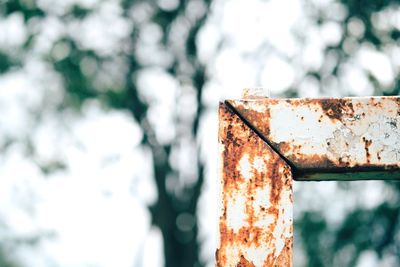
(330, 138)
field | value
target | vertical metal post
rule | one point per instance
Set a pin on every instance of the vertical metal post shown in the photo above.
(256, 213)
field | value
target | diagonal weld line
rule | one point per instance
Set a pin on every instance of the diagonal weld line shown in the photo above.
(254, 129)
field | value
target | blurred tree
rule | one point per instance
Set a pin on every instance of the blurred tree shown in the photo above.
(179, 21)
(362, 230)
(162, 35)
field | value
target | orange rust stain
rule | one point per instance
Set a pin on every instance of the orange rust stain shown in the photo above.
(314, 161)
(367, 144)
(234, 147)
(289, 148)
(238, 140)
(259, 119)
(375, 102)
(285, 147)
(336, 108)
(294, 154)
(398, 105)
(244, 262)
(220, 258)
(285, 258)
(247, 235)
(276, 183)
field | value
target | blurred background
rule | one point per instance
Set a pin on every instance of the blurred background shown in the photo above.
(108, 125)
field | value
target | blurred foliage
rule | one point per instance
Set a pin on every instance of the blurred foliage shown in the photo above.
(181, 247)
(361, 230)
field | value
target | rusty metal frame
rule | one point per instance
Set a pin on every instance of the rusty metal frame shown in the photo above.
(265, 143)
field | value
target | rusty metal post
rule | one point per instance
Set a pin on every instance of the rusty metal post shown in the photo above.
(265, 143)
(256, 199)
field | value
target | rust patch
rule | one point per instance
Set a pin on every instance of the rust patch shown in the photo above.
(260, 119)
(373, 102)
(244, 263)
(285, 258)
(294, 154)
(264, 170)
(314, 161)
(248, 235)
(336, 108)
(367, 144)
(397, 100)
(288, 148)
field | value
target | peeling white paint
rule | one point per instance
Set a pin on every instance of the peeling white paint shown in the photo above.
(356, 132)
(236, 212)
(245, 167)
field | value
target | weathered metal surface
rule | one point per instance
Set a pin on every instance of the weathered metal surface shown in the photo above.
(255, 92)
(255, 223)
(321, 137)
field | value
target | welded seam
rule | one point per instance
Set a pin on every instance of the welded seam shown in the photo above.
(294, 169)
